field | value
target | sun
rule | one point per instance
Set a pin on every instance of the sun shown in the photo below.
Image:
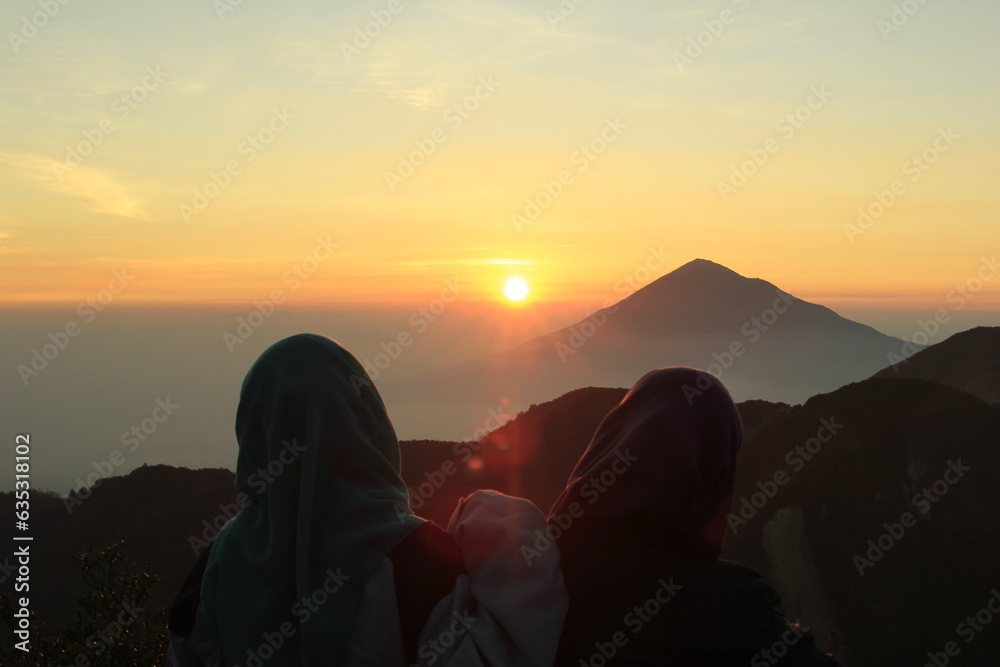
(516, 289)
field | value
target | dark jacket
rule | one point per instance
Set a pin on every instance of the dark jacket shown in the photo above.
(646, 612)
(641, 524)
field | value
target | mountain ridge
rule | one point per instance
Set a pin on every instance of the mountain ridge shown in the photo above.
(968, 360)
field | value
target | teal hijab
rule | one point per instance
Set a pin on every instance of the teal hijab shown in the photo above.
(319, 461)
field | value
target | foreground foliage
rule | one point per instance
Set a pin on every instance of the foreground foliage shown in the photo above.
(111, 627)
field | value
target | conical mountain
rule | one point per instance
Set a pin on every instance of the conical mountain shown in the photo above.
(760, 340)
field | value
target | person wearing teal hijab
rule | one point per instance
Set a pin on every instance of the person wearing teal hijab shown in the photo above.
(326, 565)
(319, 462)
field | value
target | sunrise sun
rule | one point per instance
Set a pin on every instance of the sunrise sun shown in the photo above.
(516, 289)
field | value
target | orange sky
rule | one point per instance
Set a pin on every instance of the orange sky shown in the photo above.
(268, 151)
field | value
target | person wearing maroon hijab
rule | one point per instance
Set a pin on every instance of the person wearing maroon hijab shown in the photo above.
(641, 524)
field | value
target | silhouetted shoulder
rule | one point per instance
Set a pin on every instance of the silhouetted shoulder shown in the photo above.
(425, 566)
(733, 607)
(720, 613)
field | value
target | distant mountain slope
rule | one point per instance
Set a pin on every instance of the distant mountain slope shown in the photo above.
(763, 342)
(969, 361)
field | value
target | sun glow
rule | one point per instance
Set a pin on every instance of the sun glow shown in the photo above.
(516, 289)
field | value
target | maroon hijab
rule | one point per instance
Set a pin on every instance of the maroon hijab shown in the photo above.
(645, 510)
(670, 447)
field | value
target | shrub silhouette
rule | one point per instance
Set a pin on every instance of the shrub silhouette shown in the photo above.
(111, 627)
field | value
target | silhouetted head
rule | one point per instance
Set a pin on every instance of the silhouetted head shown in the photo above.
(308, 415)
(319, 466)
(660, 468)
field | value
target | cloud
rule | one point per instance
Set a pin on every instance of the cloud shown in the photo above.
(100, 190)
(427, 54)
(501, 261)
(216, 71)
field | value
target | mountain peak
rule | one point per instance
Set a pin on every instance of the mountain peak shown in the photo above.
(703, 270)
(700, 281)
(701, 264)
(703, 297)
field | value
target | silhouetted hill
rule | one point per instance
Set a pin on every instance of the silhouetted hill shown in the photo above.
(530, 455)
(969, 361)
(162, 512)
(894, 438)
(804, 517)
(153, 509)
(763, 342)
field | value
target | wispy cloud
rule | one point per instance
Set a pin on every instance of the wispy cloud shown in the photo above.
(215, 71)
(492, 261)
(427, 54)
(101, 192)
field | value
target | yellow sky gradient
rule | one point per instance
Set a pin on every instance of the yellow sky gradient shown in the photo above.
(302, 131)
